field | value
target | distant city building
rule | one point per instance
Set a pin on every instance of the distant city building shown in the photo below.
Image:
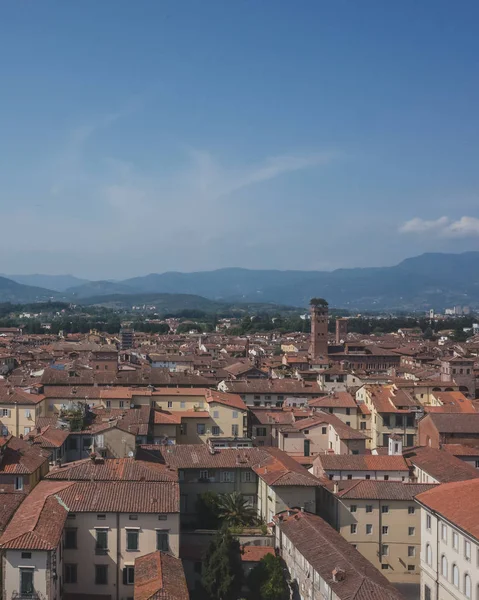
(126, 336)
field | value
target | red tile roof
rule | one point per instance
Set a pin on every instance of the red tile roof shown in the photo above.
(226, 399)
(9, 503)
(160, 576)
(336, 400)
(21, 458)
(113, 469)
(371, 489)
(361, 462)
(441, 465)
(255, 553)
(326, 550)
(458, 502)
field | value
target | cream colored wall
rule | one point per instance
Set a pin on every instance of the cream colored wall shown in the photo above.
(17, 421)
(178, 402)
(398, 520)
(294, 497)
(43, 581)
(118, 557)
(118, 443)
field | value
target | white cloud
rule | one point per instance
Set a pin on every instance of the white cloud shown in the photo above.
(443, 227)
(418, 225)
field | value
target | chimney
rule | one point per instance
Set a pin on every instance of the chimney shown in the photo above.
(338, 575)
(336, 488)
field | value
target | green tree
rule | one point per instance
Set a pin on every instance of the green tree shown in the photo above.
(207, 510)
(222, 575)
(267, 580)
(234, 511)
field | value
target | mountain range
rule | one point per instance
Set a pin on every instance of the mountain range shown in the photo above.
(432, 280)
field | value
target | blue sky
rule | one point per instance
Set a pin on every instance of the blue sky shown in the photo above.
(148, 136)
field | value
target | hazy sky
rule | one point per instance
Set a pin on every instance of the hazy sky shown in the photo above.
(145, 136)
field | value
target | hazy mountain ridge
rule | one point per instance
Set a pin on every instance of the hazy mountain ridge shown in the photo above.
(430, 280)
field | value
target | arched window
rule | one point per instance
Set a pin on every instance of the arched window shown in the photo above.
(467, 586)
(428, 555)
(444, 572)
(455, 575)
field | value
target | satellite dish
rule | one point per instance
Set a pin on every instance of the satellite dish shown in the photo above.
(130, 454)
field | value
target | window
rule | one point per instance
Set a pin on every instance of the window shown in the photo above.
(170, 404)
(354, 528)
(455, 541)
(368, 476)
(70, 573)
(5, 412)
(399, 421)
(369, 508)
(353, 508)
(133, 517)
(384, 508)
(428, 555)
(247, 476)
(26, 582)
(200, 428)
(132, 538)
(261, 431)
(324, 430)
(183, 429)
(70, 539)
(369, 529)
(428, 523)
(227, 477)
(385, 529)
(280, 397)
(411, 567)
(467, 586)
(384, 566)
(26, 555)
(467, 550)
(101, 517)
(129, 575)
(386, 477)
(162, 540)
(234, 430)
(101, 574)
(162, 517)
(348, 423)
(443, 533)
(444, 567)
(350, 476)
(101, 541)
(216, 414)
(455, 575)
(18, 484)
(385, 550)
(411, 530)
(427, 593)
(182, 404)
(235, 414)
(71, 516)
(411, 510)
(411, 550)
(122, 403)
(204, 475)
(258, 397)
(28, 414)
(386, 421)
(348, 411)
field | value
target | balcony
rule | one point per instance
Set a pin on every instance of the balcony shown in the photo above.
(101, 551)
(34, 595)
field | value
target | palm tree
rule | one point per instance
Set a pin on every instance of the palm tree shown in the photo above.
(235, 511)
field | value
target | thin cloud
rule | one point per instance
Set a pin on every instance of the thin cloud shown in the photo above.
(443, 227)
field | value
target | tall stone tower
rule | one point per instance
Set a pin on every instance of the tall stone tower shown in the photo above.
(319, 328)
(341, 330)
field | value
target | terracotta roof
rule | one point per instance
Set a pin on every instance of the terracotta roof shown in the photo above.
(232, 400)
(452, 402)
(344, 431)
(337, 400)
(11, 395)
(9, 503)
(121, 496)
(455, 423)
(264, 416)
(160, 576)
(272, 465)
(255, 553)
(38, 522)
(458, 502)
(113, 469)
(21, 458)
(49, 437)
(361, 462)
(274, 386)
(441, 465)
(461, 449)
(326, 550)
(372, 489)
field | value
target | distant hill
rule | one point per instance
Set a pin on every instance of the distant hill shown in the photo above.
(95, 288)
(163, 303)
(431, 280)
(59, 283)
(17, 293)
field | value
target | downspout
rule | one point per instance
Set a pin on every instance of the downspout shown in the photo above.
(118, 556)
(437, 557)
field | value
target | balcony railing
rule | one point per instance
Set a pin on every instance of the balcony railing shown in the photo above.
(28, 596)
(101, 551)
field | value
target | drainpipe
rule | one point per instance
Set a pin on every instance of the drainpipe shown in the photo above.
(437, 556)
(118, 556)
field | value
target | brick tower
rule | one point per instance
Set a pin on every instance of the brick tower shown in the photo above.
(319, 328)
(341, 330)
